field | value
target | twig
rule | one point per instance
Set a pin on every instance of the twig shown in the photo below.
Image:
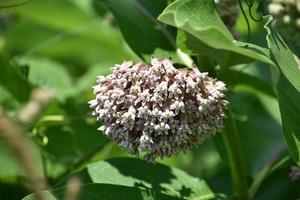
(73, 189)
(39, 99)
(14, 136)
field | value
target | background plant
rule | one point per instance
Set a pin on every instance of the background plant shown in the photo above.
(51, 52)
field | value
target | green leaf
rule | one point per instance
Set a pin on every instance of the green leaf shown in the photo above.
(289, 99)
(80, 39)
(108, 192)
(207, 34)
(13, 77)
(141, 30)
(11, 3)
(284, 58)
(138, 173)
(287, 83)
(48, 73)
(35, 11)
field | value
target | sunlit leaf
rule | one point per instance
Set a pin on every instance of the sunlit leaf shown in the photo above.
(287, 81)
(108, 192)
(206, 33)
(49, 74)
(137, 173)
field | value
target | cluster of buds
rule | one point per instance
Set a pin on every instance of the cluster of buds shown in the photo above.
(229, 13)
(158, 110)
(287, 18)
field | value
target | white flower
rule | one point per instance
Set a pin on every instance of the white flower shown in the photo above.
(158, 109)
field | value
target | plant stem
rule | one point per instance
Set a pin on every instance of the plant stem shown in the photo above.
(236, 162)
(263, 173)
(230, 135)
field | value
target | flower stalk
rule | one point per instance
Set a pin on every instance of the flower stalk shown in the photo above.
(236, 161)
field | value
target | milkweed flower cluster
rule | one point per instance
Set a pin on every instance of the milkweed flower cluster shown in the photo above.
(287, 18)
(158, 110)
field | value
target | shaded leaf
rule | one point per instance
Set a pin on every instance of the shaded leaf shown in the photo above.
(138, 24)
(67, 10)
(139, 173)
(284, 58)
(207, 34)
(287, 83)
(11, 3)
(48, 73)
(13, 78)
(108, 192)
(80, 39)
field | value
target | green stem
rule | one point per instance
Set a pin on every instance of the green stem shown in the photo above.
(263, 173)
(230, 135)
(236, 162)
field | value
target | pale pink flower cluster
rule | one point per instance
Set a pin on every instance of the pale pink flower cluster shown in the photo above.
(158, 110)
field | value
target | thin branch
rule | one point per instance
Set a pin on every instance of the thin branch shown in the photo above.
(14, 137)
(72, 189)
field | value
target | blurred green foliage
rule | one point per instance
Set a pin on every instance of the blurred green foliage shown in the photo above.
(62, 45)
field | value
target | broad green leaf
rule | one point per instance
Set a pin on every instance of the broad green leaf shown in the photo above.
(71, 14)
(287, 85)
(284, 58)
(138, 24)
(11, 3)
(289, 99)
(13, 77)
(108, 192)
(48, 73)
(80, 39)
(207, 34)
(138, 173)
